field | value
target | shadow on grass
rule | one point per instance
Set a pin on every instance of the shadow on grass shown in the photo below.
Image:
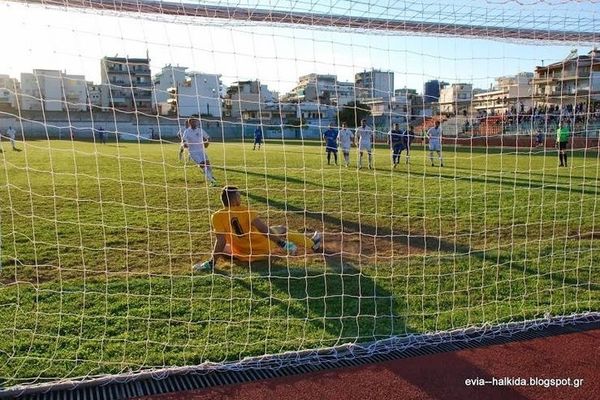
(424, 242)
(281, 178)
(341, 305)
(513, 182)
(550, 174)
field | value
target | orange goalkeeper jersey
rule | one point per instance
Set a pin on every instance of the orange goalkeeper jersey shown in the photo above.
(245, 241)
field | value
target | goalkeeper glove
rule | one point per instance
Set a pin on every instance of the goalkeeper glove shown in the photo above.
(206, 266)
(289, 247)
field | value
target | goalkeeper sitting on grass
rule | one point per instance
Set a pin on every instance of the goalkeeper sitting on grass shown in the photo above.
(243, 235)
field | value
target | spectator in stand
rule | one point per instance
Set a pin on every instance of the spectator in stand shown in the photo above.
(539, 138)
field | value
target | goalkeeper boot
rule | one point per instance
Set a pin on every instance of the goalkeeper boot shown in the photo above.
(317, 239)
(206, 266)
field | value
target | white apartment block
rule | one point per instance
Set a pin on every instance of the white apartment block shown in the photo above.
(94, 96)
(53, 90)
(576, 79)
(168, 78)
(396, 109)
(9, 87)
(199, 95)
(508, 93)
(323, 89)
(344, 94)
(187, 93)
(374, 84)
(313, 88)
(456, 98)
(126, 83)
(247, 100)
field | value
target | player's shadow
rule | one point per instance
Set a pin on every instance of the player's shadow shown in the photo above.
(451, 370)
(543, 173)
(422, 242)
(340, 303)
(513, 182)
(434, 377)
(426, 243)
(281, 178)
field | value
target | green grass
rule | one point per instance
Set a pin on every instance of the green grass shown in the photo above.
(97, 244)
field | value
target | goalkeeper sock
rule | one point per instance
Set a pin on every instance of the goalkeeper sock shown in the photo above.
(208, 173)
(300, 240)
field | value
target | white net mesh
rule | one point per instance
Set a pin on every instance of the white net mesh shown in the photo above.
(103, 211)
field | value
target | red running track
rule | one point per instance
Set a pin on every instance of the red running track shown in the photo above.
(440, 376)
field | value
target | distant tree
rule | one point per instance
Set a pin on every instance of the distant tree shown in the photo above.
(352, 113)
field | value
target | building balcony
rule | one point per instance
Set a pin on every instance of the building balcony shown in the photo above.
(113, 68)
(561, 76)
(572, 77)
(74, 97)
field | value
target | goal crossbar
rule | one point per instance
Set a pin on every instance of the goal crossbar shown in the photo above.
(324, 20)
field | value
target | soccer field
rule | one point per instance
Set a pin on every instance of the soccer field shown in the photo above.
(98, 242)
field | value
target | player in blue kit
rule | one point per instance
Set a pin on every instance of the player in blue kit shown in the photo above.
(396, 141)
(331, 144)
(258, 137)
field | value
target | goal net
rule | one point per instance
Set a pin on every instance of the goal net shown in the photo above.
(406, 173)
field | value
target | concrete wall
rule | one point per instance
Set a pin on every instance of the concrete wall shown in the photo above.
(57, 125)
(142, 130)
(521, 141)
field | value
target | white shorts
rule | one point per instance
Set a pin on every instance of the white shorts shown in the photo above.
(435, 145)
(365, 147)
(199, 158)
(345, 149)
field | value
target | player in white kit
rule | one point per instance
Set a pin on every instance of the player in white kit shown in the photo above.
(196, 140)
(345, 139)
(365, 142)
(11, 137)
(434, 134)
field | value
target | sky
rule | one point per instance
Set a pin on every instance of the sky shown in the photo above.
(50, 38)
